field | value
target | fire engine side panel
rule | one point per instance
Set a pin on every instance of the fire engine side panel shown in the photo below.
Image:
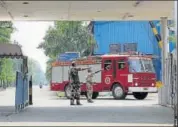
(66, 73)
(96, 77)
(83, 74)
(57, 74)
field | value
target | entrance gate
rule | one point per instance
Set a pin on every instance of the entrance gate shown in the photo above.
(21, 94)
(22, 78)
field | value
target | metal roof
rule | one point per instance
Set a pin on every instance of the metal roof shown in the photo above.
(10, 51)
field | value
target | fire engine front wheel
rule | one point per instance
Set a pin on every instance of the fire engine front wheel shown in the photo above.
(140, 95)
(118, 92)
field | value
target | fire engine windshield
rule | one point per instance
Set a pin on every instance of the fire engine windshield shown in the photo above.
(141, 65)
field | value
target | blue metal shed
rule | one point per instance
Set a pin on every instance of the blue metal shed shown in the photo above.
(139, 32)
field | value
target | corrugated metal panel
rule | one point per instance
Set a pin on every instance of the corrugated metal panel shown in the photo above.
(157, 66)
(122, 32)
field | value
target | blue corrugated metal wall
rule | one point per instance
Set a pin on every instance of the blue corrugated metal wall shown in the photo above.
(125, 32)
(139, 32)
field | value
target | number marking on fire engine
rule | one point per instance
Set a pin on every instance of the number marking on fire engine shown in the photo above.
(107, 80)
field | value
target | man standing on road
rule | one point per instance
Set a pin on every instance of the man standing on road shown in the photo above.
(89, 84)
(75, 83)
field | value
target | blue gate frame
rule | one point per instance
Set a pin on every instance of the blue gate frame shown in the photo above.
(22, 87)
(21, 94)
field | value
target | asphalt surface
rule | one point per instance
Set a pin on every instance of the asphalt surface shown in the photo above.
(47, 107)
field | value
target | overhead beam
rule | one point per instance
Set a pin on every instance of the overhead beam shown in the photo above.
(3, 4)
(84, 10)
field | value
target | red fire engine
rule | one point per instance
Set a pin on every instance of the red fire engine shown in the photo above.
(122, 74)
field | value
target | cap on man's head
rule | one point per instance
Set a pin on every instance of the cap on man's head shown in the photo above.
(73, 63)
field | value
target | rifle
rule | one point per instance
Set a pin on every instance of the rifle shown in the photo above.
(96, 72)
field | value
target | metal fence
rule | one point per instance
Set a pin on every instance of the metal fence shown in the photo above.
(170, 88)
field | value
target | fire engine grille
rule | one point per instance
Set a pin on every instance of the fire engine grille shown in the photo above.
(145, 78)
(144, 81)
(145, 84)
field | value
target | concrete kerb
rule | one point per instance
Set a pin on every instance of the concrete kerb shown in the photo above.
(78, 124)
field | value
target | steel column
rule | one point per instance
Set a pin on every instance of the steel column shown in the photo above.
(164, 34)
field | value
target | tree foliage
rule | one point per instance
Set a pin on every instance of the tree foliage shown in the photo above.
(49, 68)
(7, 73)
(66, 36)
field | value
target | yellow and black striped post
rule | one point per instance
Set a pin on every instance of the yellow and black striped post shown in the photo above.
(155, 32)
(30, 92)
(160, 43)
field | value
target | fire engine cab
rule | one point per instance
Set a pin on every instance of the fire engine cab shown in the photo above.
(122, 74)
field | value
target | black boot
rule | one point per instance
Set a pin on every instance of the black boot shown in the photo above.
(90, 101)
(78, 102)
(72, 102)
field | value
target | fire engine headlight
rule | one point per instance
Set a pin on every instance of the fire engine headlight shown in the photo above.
(152, 84)
(136, 84)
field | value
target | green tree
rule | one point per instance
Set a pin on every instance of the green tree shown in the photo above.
(49, 68)
(7, 74)
(66, 36)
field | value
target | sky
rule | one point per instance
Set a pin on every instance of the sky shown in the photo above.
(29, 35)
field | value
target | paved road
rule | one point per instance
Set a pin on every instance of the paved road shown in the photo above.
(49, 108)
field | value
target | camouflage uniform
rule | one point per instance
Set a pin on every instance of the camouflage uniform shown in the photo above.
(89, 85)
(75, 83)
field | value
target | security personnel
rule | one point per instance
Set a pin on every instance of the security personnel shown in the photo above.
(75, 83)
(89, 84)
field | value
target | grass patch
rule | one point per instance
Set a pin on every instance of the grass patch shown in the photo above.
(60, 94)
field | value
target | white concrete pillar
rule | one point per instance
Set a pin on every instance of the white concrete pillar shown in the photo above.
(163, 92)
(165, 35)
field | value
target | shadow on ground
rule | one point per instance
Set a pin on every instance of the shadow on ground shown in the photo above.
(6, 111)
(137, 114)
(99, 98)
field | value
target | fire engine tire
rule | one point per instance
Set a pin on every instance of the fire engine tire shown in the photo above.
(118, 92)
(67, 91)
(140, 95)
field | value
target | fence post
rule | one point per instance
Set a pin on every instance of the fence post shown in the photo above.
(30, 92)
